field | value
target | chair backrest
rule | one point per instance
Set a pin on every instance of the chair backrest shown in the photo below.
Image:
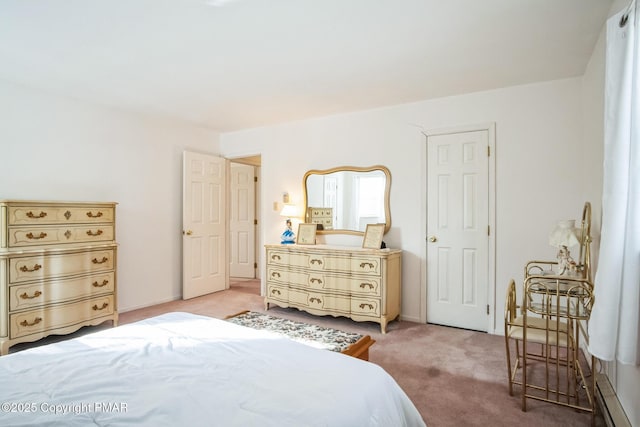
(584, 259)
(510, 305)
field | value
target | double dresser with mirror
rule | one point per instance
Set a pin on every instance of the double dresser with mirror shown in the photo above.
(57, 268)
(364, 284)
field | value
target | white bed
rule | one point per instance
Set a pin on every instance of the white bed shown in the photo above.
(181, 369)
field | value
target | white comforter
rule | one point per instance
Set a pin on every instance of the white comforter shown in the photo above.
(180, 369)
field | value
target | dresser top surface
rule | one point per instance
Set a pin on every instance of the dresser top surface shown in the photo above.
(333, 248)
(52, 202)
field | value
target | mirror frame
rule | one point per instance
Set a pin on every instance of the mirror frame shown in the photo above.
(387, 191)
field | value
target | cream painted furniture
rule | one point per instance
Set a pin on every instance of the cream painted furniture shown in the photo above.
(323, 216)
(57, 268)
(362, 284)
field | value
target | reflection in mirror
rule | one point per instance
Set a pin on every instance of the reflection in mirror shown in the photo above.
(346, 199)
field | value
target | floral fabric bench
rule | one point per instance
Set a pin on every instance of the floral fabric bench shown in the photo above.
(347, 343)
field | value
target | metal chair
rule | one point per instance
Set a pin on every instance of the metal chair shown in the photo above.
(552, 311)
(536, 332)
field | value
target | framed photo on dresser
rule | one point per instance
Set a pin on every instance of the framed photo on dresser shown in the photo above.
(307, 234)
(373, 236)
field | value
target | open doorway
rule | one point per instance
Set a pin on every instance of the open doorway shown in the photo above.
(244, 228)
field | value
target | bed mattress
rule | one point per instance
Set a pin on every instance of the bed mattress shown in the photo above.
(185, 369)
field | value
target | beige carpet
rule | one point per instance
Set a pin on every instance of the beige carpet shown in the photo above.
(454, 377)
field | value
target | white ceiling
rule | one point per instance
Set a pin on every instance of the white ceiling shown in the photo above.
(234, 64)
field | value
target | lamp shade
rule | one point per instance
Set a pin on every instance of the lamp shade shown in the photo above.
(289, 211)
(564, 234)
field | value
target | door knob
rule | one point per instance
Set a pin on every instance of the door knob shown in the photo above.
(188, 232)
(433, 239)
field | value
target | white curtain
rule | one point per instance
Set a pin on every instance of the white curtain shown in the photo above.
(614, 327)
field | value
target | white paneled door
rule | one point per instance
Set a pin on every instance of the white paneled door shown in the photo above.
(203, 221)
(457, 229)
(242, 221)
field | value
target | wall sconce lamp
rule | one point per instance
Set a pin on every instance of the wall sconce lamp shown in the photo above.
(289, 211)
(563, 237)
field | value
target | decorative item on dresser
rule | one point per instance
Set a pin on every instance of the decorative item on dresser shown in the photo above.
(289, 211)
(362, 284)
(57, 268)
(307, 234)
(373, 236)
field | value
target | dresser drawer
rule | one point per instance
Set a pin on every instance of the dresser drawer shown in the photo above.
(277, 257)
(39, 267)
(366, 265)
(59, 316)
(366, 307)
(54, 214)
(319, 301)
(22, 297)
(277, 292)
(337, 263)
(315, 280)
(320, 212)
(327, 224)
(278, 274)
(56, 235)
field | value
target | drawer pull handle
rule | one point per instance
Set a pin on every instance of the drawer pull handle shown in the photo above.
(314, 299)
(91, 215)
(40, 215)
(42, 235)
(91, 233)
(275, 292)
(102, 261)
(364, 285)
(315, 260)
(370, 306)
(36, 294)
(275, 274)
(275, 257)
(365, 264)
(99, 285)
(35, 322)
(104, 305)
(313, 280)
(26, 269)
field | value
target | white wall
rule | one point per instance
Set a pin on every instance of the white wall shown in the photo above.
(538, 128)
(54, 148)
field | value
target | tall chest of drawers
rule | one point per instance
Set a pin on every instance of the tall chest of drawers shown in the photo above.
(362, 284)
(57, 268)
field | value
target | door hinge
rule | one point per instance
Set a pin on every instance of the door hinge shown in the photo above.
(255, 222)
(488, 151)
(255, 265)
(255, 179)
(488, 230)
(487, 308)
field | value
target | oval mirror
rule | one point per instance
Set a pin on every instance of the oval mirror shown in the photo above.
(345, 199)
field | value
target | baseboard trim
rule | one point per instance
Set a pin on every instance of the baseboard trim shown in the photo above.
(612, 411)
(150, 304)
